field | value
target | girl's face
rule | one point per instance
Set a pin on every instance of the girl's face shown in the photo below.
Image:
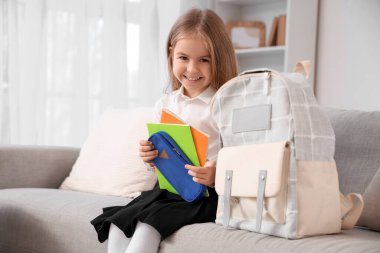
(192, 65)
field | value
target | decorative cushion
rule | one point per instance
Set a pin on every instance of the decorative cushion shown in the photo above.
(371, 213)
(357, 157)
(109, 161)
(357, 147)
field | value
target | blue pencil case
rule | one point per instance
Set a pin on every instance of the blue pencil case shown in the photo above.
(171, 163)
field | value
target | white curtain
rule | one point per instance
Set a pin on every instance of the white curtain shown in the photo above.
(63, 62)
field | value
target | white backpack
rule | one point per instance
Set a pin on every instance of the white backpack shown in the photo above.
(276, 172)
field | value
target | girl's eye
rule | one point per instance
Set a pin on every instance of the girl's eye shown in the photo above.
(184, 58)
(205, 60)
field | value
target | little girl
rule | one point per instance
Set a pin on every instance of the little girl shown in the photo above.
(200, 60)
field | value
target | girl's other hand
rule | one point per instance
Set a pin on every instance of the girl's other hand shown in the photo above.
(203, 175)
(147, 151)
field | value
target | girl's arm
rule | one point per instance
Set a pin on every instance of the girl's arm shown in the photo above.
(203, 175)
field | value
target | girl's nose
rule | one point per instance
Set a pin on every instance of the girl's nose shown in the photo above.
(192, 66)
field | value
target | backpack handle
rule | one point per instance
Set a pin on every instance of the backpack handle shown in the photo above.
(302, 67)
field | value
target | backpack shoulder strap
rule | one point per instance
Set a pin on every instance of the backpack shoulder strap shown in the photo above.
(351, 207)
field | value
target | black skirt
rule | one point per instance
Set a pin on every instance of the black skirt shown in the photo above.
(165, 211)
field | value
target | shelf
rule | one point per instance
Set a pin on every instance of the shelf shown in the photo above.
(260, 50)
(245, 2)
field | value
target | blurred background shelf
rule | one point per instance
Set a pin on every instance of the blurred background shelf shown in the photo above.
(259, 50)
(300, 35)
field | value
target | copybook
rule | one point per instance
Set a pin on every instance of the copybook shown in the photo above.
(191, 141)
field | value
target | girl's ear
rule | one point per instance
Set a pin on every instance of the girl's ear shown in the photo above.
(170, 55)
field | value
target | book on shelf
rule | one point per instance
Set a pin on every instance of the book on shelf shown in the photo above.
(281, 31)
(277, 32)
(191, 141)
(272, 39)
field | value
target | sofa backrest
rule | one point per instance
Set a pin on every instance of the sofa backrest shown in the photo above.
(357, 148)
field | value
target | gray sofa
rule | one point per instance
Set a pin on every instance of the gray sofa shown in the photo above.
(37, 217)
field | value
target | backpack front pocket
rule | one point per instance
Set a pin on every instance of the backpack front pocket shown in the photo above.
(253, 182)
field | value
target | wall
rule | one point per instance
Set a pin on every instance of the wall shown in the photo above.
(348, 54)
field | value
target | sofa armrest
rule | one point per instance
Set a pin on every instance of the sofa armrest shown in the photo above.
(35, 166)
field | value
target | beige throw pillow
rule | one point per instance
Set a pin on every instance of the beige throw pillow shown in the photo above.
(371, 213)
(109, 162)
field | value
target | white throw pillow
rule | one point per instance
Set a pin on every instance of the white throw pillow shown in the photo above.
(109, 161)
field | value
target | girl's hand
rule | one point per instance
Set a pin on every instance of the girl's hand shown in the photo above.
(147, 151)
(203, 175)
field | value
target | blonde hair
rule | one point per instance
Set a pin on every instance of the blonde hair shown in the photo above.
(208, 25)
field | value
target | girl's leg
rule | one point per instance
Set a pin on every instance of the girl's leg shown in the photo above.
(146, 239)
(117, 241)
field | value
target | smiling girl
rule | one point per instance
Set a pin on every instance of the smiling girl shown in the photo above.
(200, 60)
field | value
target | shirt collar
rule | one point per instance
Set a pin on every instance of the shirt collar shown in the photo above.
(205, 96)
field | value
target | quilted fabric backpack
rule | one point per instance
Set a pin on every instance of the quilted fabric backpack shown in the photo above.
(276, 172)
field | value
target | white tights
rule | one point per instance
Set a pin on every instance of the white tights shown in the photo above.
(146, 239)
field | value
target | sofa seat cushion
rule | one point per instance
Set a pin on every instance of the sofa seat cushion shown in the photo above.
(51, 220)
(209, 237)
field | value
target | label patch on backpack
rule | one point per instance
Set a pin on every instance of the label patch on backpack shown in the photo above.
(251, 118)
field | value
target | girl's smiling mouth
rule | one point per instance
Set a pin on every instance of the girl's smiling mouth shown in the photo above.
(192, 78)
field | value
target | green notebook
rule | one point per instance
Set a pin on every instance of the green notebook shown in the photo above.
(181, 134)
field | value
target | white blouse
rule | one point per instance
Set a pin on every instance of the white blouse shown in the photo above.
(195, 112)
